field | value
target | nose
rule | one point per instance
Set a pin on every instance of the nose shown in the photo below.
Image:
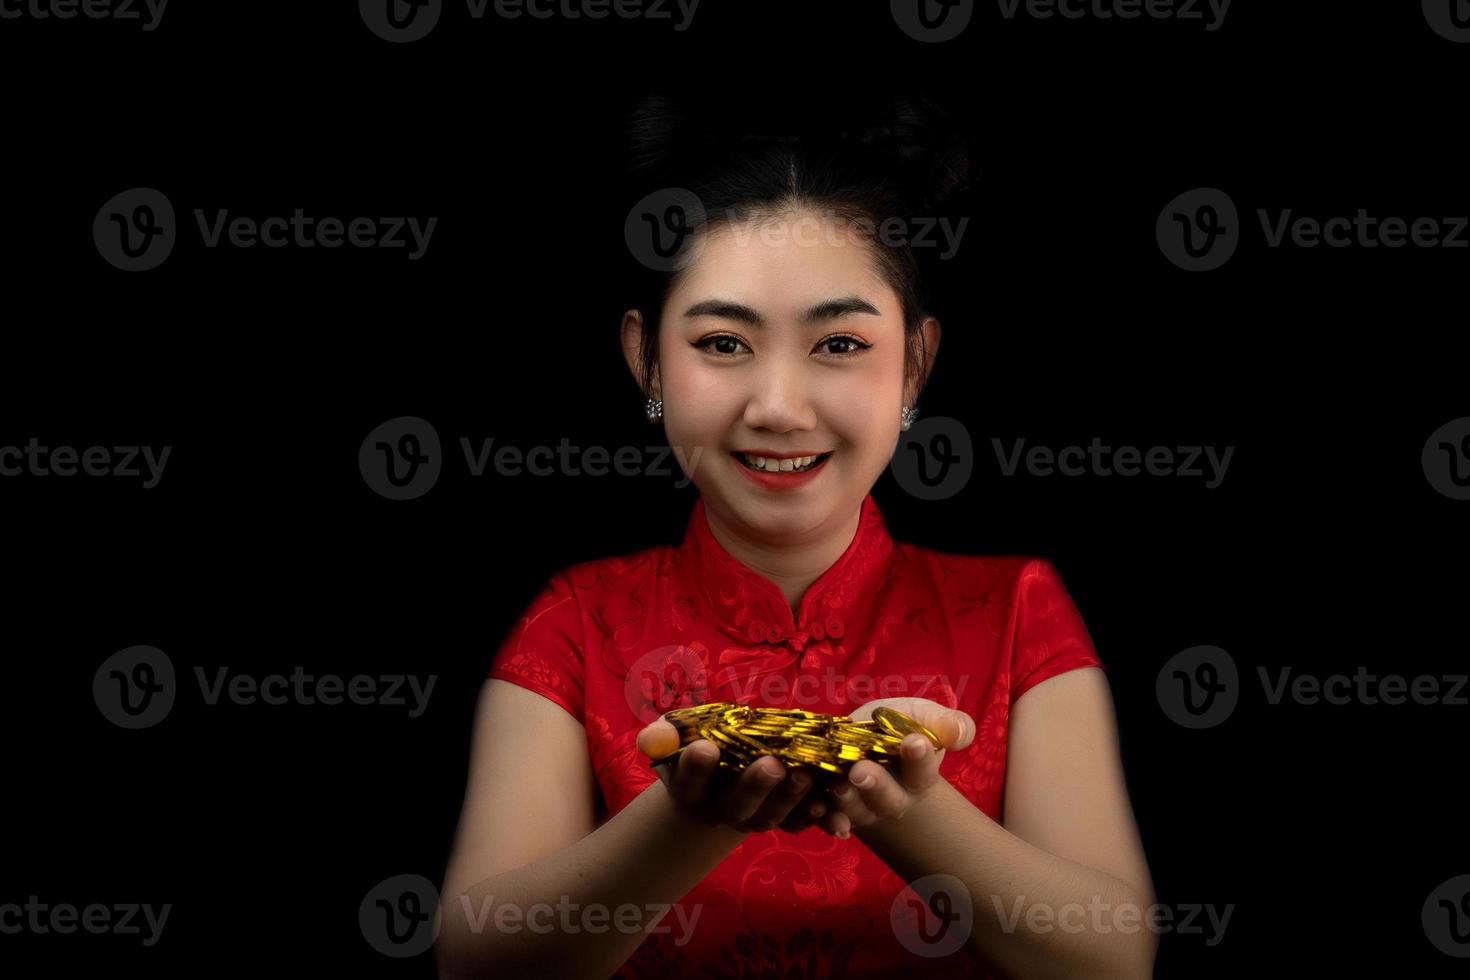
(779, 399)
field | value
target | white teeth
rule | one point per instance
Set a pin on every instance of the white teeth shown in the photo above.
(778, 465)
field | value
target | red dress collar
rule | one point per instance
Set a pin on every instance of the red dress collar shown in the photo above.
(749, 607)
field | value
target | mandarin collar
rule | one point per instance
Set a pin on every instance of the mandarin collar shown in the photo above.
(750, 608)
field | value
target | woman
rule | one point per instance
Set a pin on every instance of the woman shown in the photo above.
(783, 353)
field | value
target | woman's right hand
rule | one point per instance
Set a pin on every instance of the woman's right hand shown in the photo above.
(765, 795)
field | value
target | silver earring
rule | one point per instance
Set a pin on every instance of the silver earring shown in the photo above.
(654, 409)
(906, 417)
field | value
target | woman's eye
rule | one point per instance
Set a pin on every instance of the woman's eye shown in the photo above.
(844, 345)
(722, 343)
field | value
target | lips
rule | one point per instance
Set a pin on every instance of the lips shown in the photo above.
(777, 467)
(783, 481)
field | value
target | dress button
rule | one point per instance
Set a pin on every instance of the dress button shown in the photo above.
(834, 627)
(756, 630)
(817, 632)
(774, 634)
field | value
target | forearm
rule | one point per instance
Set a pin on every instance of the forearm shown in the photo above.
(1035, 914)
(623, 876)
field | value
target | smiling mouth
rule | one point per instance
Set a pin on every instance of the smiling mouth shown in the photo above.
(775, 466)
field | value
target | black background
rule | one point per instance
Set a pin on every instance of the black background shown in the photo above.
(262, 548)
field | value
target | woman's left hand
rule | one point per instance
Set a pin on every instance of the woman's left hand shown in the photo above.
(869, 794)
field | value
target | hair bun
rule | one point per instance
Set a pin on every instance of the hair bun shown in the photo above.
(909, 140)
(933, 155)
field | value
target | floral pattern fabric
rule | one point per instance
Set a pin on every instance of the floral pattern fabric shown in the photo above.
(618, 641)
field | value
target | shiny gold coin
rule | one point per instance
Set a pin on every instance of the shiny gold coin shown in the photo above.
(900, 724)
(731, 736)
(826, 744)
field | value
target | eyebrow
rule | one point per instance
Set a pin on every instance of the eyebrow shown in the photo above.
(826, 310)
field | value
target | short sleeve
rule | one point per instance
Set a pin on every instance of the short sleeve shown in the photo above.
(543, 650)
(1050, 636)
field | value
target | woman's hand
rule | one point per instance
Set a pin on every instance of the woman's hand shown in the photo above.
(766, 795)
(869, 794)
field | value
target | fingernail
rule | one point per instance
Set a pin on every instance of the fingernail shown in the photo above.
(862, 781)
(844, 834)
(817, 809)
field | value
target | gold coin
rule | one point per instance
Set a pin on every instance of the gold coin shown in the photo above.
(900, 724)
(799, 739)
(732, 737)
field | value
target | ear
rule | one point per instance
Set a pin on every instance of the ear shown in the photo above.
(632, 338)
(919, 376)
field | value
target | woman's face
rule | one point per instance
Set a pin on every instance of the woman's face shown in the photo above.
(781, 338)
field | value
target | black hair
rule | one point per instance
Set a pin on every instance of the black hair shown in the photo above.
(860, 160)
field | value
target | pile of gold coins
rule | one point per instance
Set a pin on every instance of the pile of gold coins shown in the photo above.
(828, 743)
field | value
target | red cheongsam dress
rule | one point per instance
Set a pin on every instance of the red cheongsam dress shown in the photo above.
(618, 641)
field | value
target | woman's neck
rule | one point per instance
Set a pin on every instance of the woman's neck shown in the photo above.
(791, 565)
